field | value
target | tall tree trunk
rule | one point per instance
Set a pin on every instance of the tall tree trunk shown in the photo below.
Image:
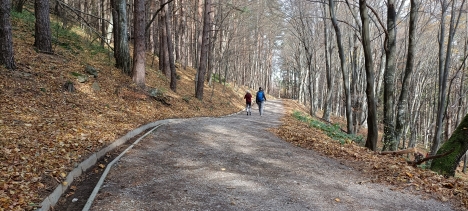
(121, 49)
(110, 27)
(115, 29)
(389, 78)
(204, 51)
(344, 69)
(42, 33)
(402, 106)
(444, 66)
(183, 38)
(212, 40)
(459, 144)
(103, 23)
(163, 49)
(329, 74)
(139, 50)
(372, 133)
(6, 41)
(199, 35)
(170, 49)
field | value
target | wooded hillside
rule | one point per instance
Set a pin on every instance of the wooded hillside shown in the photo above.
(58, 109)
(77, 74)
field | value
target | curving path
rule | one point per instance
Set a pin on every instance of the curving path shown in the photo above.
(233, 163)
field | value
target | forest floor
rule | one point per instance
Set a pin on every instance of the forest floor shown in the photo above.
(46, 130)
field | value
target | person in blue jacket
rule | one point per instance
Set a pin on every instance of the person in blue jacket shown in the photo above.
(260, 100)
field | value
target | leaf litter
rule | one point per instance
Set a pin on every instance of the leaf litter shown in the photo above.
(46, 130)
(376, 168)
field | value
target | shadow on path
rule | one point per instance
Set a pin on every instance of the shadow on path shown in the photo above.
(234, 163)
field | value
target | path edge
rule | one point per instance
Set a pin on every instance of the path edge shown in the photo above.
(51, 200)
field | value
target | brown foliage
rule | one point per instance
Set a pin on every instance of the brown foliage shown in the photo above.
(45, 130)
(386, 169)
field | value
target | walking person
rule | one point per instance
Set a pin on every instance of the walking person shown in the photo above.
(248, 102)
(260, 100)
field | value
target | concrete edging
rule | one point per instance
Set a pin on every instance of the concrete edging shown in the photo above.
(93, 195)
(53, 198)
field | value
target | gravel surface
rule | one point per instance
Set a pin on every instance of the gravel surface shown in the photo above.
(233, 163)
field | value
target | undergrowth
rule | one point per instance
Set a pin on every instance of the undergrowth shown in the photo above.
(332, 130)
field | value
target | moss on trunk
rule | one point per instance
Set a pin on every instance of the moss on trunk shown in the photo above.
(459, 143)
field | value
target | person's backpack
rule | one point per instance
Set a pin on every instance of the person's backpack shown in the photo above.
(260, 96)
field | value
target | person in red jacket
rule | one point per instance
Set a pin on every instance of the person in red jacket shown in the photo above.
(248, 102)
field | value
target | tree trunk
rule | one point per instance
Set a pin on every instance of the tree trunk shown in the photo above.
(372, 129)
(212, 40)
(121, 49)
(402, 105)
(6, 41)
(204, 51)
(329, 72)
(457, 142)
(139, 50)
(443, 71)
(103, 23)
(42, 33)
(442, 82)
(163, 49)
(389, 78)
(18, 5)
(170, 49)
(344, 70)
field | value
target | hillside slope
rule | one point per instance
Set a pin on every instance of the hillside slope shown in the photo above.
(45, 129)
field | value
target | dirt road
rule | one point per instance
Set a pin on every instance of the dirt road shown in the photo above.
(233, 163)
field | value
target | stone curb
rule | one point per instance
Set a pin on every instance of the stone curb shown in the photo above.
(93, 195)
(53, 198)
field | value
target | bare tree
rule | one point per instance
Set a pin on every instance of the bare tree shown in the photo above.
(389, 79)
(204, 51)
(139, 50)
(402, 105)
(120, 30)
(329, 71)
(170, 49)
(6, 41)
(163, 49)
(42, 33)
(343, 67)
(372, 132)
(444, 66)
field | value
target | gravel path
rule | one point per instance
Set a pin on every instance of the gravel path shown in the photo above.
(233, 163)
